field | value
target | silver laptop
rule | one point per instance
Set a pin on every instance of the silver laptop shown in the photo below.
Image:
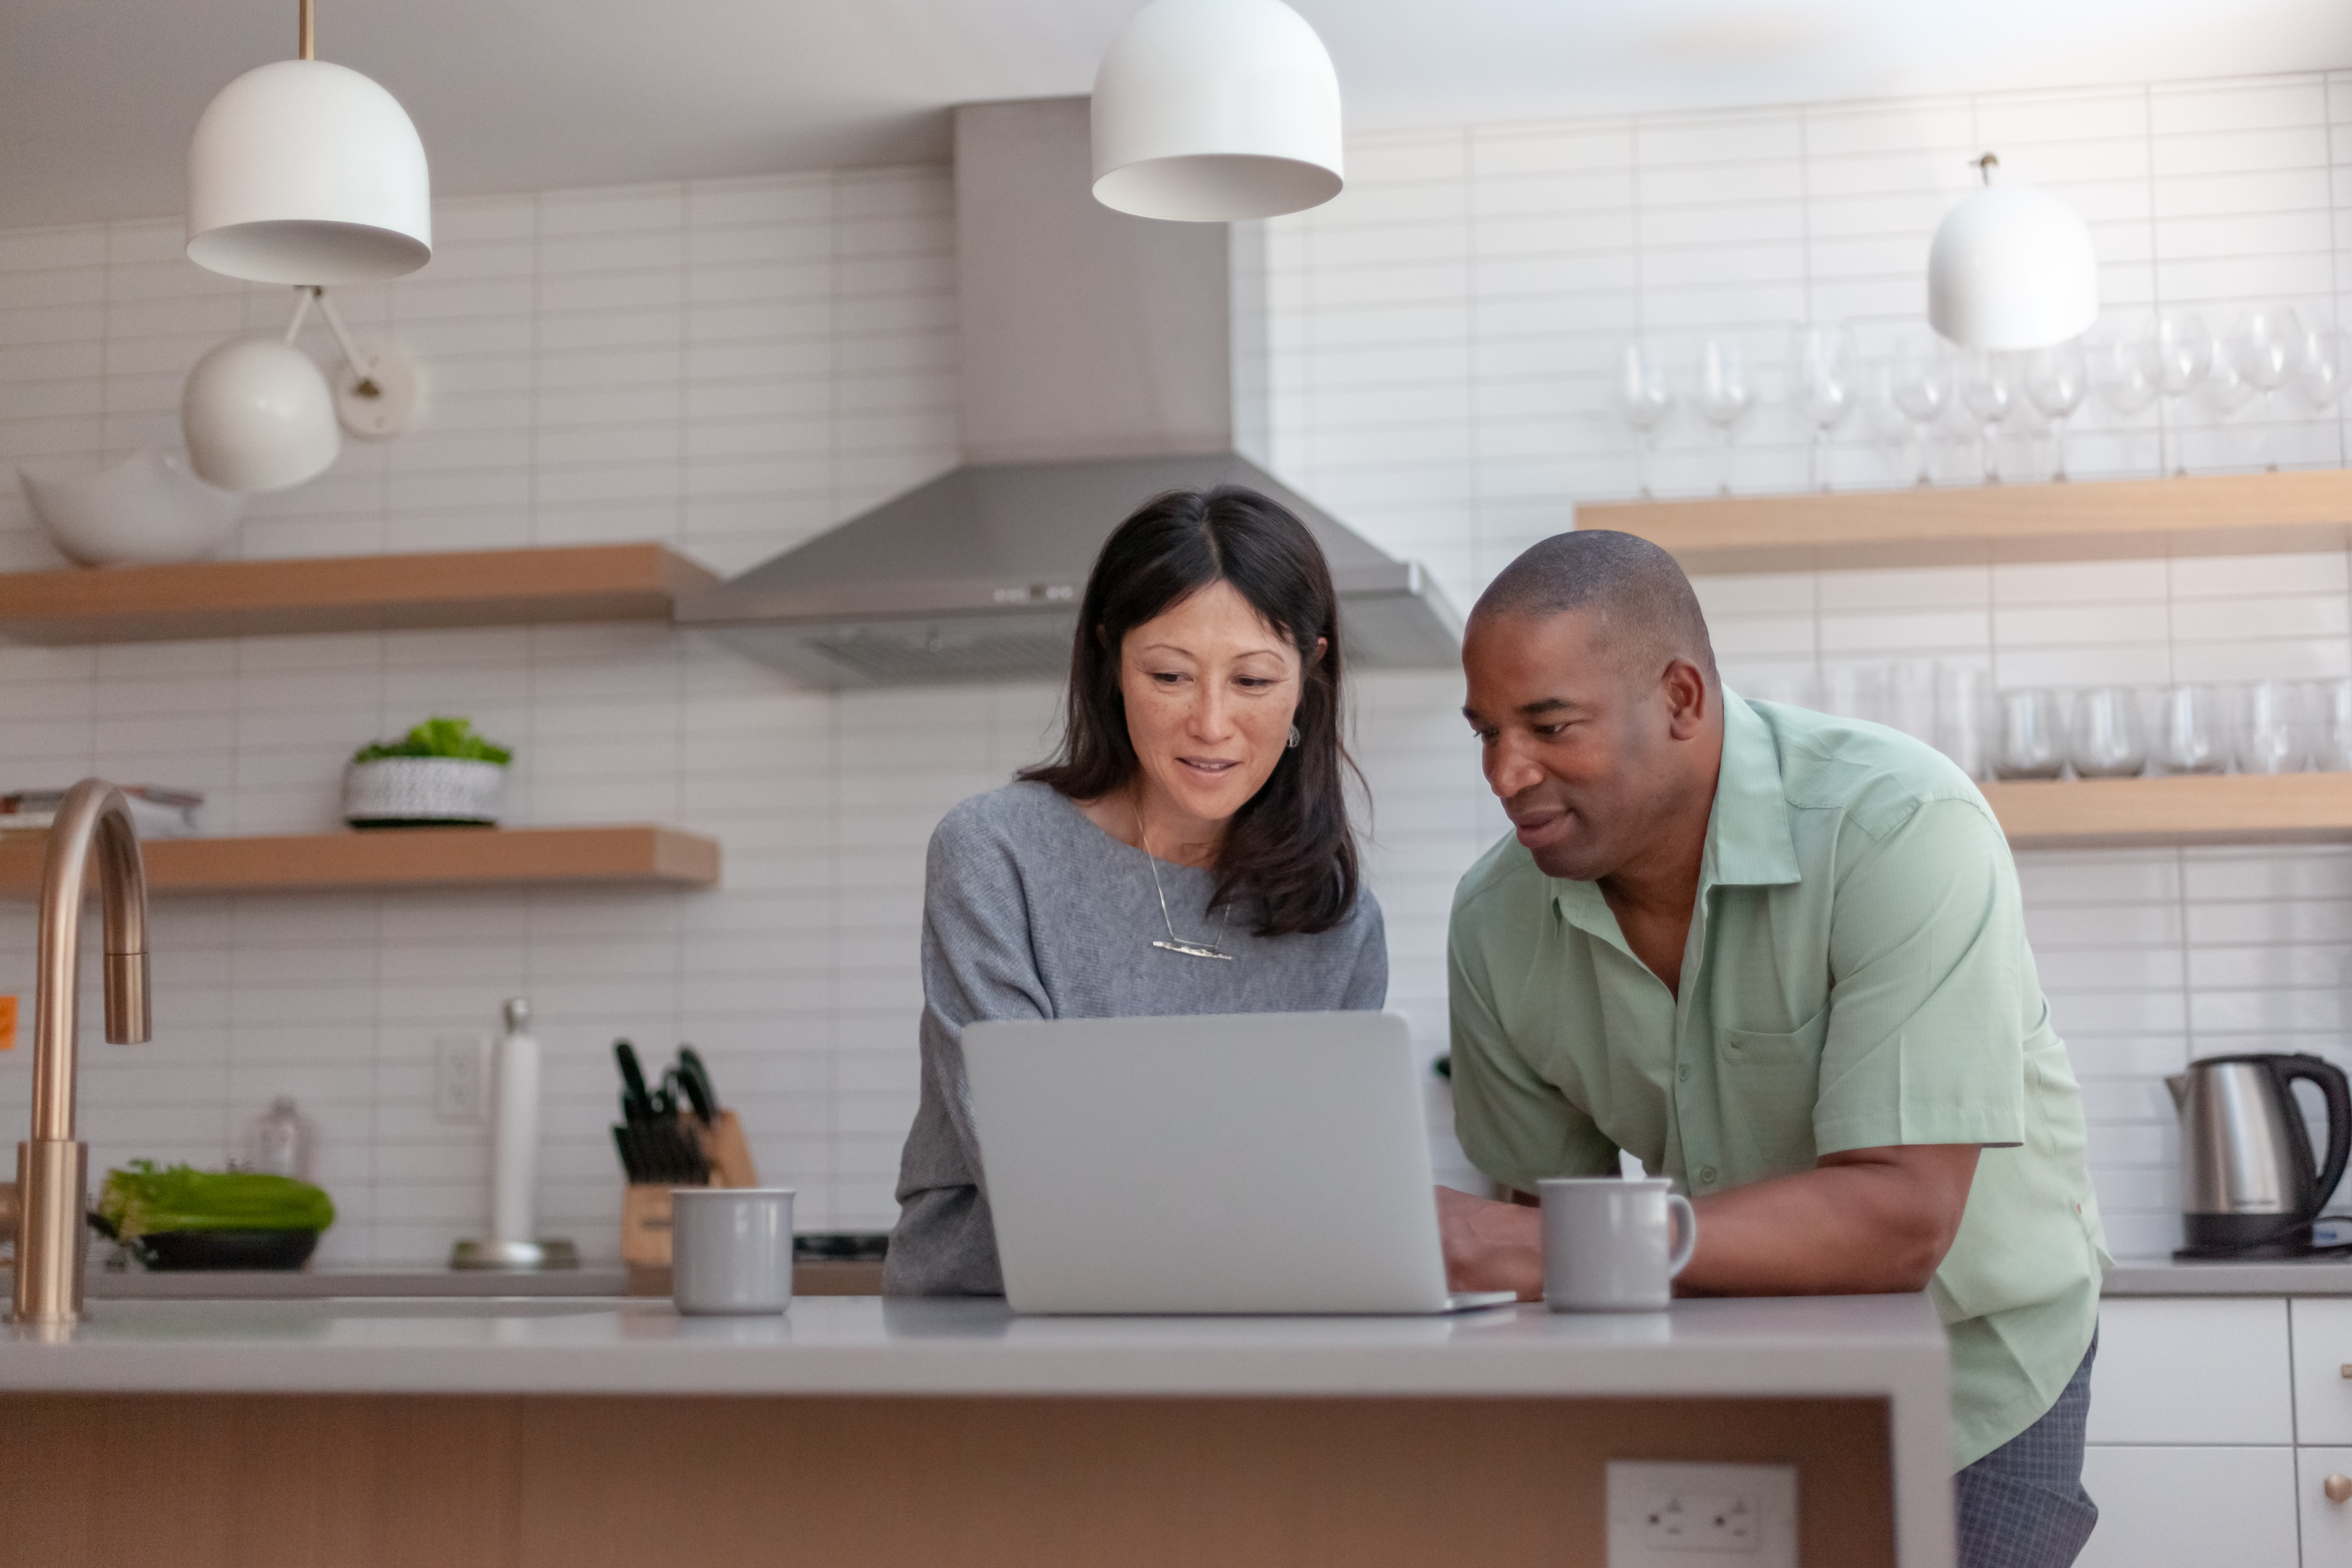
(1255, 1162)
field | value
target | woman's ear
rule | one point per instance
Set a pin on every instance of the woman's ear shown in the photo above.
(1322, 646)
(1102, 635)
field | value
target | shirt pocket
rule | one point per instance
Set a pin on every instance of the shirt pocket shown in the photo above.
(1768, 1085)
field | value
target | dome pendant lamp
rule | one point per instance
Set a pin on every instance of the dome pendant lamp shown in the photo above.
(1214, 111)
(304, 171)
(2011, 268)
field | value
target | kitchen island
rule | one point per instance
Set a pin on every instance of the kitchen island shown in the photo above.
(860, 1431)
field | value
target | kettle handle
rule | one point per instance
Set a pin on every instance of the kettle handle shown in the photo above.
(2338, 1090)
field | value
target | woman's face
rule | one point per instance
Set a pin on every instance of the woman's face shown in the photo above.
(1211, 691)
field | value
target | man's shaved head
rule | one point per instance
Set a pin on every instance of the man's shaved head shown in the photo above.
(1640, 606)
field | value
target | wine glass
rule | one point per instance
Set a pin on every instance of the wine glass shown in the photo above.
(2226, 390)
(1645, 399)
(2267, 350)
(2327, 365)
(1824, 385)
(1988, 392)
(1919, 385)
(2056, 380)
(2121, 373)
(1721, 394)
(2177, 352)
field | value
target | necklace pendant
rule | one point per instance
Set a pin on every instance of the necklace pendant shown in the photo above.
(1190, 950)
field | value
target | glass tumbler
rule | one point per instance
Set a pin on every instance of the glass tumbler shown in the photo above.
(1965, 725)
(2328, 704)
(2109, 739)
(2273, 734)
(2189, 736)
(2033, 734)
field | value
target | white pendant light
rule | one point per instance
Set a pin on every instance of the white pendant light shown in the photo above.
(304, 171)
(1214, 111)
(258, 416)
(2011, 268)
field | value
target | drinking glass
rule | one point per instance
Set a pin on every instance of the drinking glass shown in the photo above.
(2033, 734)
(2177, 352)
(2226, 390)
(2273, 734)
(2327, 365)
(1824, 384)
(1859, 691)
(1645, 399)
(1919, 383)
(2267, 350)
(1964, 719)
(2189, 735)
(2056, 380)
(1911, 698)
(2330, 705)
(1721, 394)
(1988, 392)
(2120, 372)
(2109, 739)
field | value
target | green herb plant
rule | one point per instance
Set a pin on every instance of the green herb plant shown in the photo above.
(141, 1200)
(437, 738)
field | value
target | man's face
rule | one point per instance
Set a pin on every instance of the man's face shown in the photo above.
(1578, 752)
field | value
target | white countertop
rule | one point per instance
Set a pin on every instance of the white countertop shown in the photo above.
(1873, 1345)
(2273, 1276)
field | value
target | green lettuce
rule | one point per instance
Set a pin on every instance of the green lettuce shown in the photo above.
(452, 737)
(145, 1201)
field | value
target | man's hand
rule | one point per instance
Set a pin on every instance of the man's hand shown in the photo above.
(1490, 1246)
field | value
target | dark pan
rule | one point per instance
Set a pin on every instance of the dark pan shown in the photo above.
(176, 1249)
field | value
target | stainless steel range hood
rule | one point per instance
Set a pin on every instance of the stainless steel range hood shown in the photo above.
(1104, 359)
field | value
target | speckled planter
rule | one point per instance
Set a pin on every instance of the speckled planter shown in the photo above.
(422, 792)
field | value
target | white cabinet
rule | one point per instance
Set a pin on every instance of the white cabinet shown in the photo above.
(2193, 1429)
(2195, 1369)
(2323, 1349)
(2192, 1506)
(2327, 1523)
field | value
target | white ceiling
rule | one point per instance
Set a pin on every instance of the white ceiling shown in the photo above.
(96, 97)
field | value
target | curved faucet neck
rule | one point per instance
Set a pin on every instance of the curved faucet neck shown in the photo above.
(94, 820)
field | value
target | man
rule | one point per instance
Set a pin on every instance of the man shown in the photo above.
(1779, 958)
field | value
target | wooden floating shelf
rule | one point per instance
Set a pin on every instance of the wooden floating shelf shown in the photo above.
(346, 593)
(406, 857)
(2187, 809)
(2218, 515)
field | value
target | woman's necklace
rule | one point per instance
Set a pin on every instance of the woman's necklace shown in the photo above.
(1176, 943)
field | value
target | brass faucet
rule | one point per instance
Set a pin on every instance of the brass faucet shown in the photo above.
(46, 1207)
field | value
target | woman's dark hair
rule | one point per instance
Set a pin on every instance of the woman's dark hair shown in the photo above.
(1289, 852)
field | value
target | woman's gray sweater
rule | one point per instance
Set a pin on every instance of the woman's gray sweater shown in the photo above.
(1031, 911)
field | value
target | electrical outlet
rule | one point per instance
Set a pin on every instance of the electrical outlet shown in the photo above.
(461, 1079)
(1686, 1516)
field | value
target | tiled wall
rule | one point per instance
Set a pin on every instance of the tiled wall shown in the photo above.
(732, 365)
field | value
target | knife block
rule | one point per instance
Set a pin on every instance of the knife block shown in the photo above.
(646, 1205)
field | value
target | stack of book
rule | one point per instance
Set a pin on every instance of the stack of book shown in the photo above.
(156, 811)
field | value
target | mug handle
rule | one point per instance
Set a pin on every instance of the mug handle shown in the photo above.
(1687, 1237)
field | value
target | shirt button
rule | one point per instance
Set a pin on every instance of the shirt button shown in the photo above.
(1706, 1175)
(1683, 1072)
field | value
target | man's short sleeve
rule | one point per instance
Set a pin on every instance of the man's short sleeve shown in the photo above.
(1928, 991)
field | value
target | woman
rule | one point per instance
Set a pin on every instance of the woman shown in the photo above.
(1187, 852)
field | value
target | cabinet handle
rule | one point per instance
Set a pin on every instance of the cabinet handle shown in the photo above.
(2337, 1488)
(2344, 1370)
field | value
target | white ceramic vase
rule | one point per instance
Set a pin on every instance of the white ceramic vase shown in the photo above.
(409, 792)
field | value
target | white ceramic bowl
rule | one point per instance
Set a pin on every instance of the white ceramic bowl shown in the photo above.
(146, 509)
(394, 792)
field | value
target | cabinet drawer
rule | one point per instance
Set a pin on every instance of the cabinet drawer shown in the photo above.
(2323, 1348)
(2201, 1370)
(2326, 1526)
(2191, 1508)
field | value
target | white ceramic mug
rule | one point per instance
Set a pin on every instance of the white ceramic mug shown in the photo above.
(1610, 1245)
(731, 1249)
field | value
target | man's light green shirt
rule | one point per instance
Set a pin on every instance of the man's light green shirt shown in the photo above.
(1857, 977)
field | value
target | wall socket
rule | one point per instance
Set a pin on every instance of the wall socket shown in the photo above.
(461, 1079)
(1689, 1516)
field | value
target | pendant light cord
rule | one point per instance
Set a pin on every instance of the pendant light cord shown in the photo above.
(306, 41)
